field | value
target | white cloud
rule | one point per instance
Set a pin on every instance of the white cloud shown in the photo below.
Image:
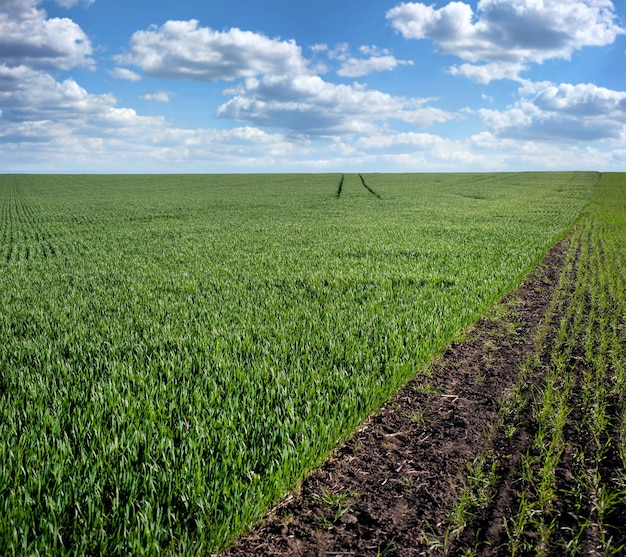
(184, 50)
(30, 95)
(124, 73)
(18, 8)
(485, 73)
(508, 31)
(28, 37)
(55, 125)
(159, 97)
(308, 105)
(280, 89)
(384, 141)
(319, 47)
(379, 60)
(447, 26)
(483, 152)
(357, 67)
(566, 113)
(519, 154)
(36, 107)
(583, 100)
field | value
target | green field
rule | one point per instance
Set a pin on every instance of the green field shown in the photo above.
(178, 351)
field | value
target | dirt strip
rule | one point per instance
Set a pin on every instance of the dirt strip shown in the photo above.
(388, 489)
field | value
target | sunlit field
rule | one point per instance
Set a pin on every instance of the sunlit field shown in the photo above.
(176, 352)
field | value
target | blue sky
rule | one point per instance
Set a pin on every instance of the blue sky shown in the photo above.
(312, 85)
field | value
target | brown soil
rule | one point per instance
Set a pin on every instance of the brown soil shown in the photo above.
(388, 490)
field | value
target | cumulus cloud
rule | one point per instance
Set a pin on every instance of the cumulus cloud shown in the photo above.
(528, 154)
(29, 37)
(569, 113)
(374, 59)
(485, 73)
(378, 60)
(184, 50)
(36, 107)
(306, 104)
(508, 31)
(484, 151)
(30, 95)
(279, 87)
(278, 90)
(58, 125)
(357, 67)
(125, 73)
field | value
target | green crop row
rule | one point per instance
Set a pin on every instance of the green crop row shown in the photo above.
(580, 407)
(176, 352)
(570, 488)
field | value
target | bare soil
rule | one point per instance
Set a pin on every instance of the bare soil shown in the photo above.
(388, 490)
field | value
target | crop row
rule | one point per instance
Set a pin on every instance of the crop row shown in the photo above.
(23, 231)
(570, 486)
(580, 406)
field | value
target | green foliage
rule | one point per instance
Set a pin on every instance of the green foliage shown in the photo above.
(178, 351)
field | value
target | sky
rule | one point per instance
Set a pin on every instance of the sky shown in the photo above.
(195, 86)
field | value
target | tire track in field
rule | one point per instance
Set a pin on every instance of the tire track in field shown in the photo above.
(374, 193)
(340, 187)
(25, 232)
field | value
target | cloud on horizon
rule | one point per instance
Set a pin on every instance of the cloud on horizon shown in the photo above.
(565, 113)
